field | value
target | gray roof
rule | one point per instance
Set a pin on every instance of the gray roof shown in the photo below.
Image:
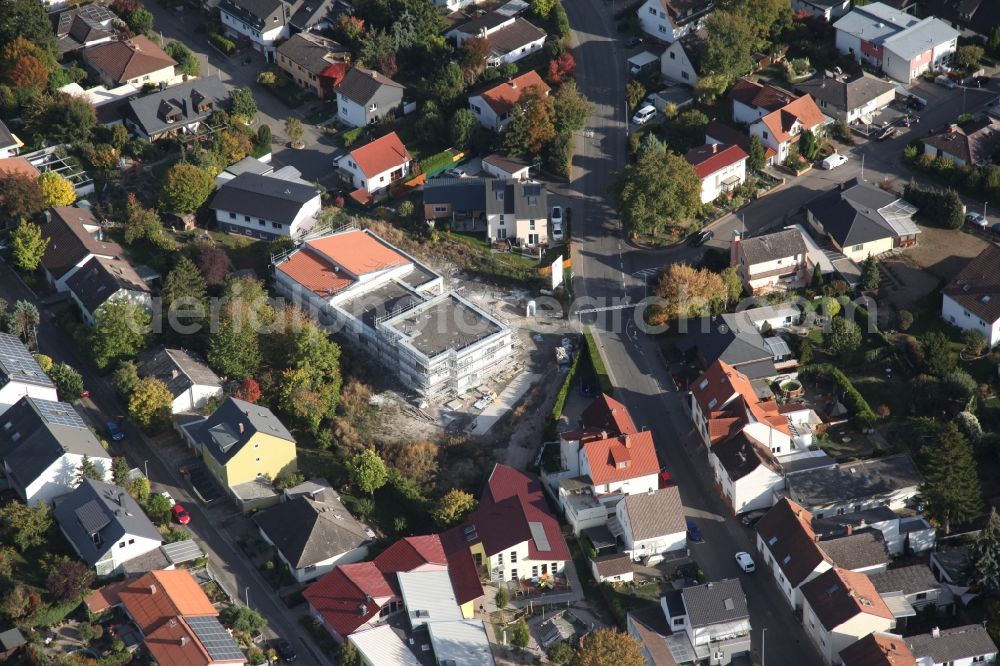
(508, 164)
(911, 579)
(253, 12)
(100, 278)
(310, 13)
(17, 364)
(875, 22)
(955, 562)
(96, 516)
(152, 111)
(233, 424)
(741, 455)
(40, 433)
(308, 532)
(487, 21)
(857, 551)
(464, 194)
(312, 52)
(511, 38)
(715, 603)
(264, 197)
(461, 643)
(249, 165)
(922, 37)
(833, 525)
(847, 482)
(178, 369)
(512, 197)
(728, 339)
(850, 213)
(781, 244)
(655, 513)
(360, 85)
(12, 638)
(966, 642)
(843, 94)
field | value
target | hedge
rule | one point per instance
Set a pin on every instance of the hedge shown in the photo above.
(224, 44)
(560, 403)
(864, 417)
(437, 163)
(603, 380)
(50, 615)
(351, 136)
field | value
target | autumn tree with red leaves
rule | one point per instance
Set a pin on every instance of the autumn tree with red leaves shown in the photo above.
(562, 67)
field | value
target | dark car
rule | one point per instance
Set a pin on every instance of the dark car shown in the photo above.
(693, 532)
(751, 518)
(633, 42)
(996, 228)
(115, 431)
(702, 238)
(285, 650)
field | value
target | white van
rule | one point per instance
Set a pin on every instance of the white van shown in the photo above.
(834, 161)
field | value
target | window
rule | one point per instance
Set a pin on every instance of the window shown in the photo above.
(246, 218)
(310, 568)
(684, 75)
(765, 135)
(440, 209)
(476, 110)
(554, 568)
(276, 225)
(131, 541)
(678, 622)
(921, 596)
(121, 544)
(531, 225)
(500, 222)
(500, 560)
(513, 556)
(513, 574)
(857, 248)
(500, 575)
(262, 223)
(673, 56)
(652, 10)
(534, 571)
(663, 29)
(257, 459)
(232, 215)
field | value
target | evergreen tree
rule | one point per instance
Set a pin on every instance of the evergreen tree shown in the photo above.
(88, 470)
(757, 156)
(984, 556)
(870, 277)
(119, 471)
(185, 291)
(951, 489)
(817, 278)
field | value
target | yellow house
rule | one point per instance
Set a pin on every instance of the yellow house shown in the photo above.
(243, 443)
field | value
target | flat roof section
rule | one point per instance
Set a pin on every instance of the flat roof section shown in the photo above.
(379, 302)
(444, 323)
(419, 276)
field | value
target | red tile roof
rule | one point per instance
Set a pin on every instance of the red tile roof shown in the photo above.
(723, 133)
(838, 595)
(19, 166)
(357, 252)
(878, 649)
(977, 286)
(802, 110)
(381, 155)
(727, 395)
(461, 567)
(412, 553)
(787, 532)
(338, 596)
(502, 97)
(123, 61)
(314, 273)
(710, 158)
(715, 387)
(607, 414)
(621, 458)
(762, 96)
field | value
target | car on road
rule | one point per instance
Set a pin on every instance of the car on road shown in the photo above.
(946, 81)
(977, 220)
(115, 431)
(285, 650)
(169, 498)
(702, 238)
(693, 532)
(666, 480)
(887, 133)
(180, 514)
(644, 114)
(556, 218)
(751, 518)
(745, 562)
(834, 161)
(633, 42)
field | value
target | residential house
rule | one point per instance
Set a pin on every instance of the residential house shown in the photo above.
(137, 61)
(912, 534)
(251, 165)
(752, 101)
(317, 64)
(901, 45)
(507, 168)
(710, 621)
(396, 310)
(960, 646)
(42, 443)
(20, 374)
(511, 535)
(951, 567)
(365, 97)
(11, 641)
(74, 238)
(190, 381)
(862, 552)
(266, 207)
(718, 132)
(262, 23)
(822, 9)
(677, 64)
(720, 168)
(841, 607)
(771, 262)
(101, 281)
(382, 644)
(494, 107)
(737, 341)
(106, 527)
(781, 129)
(669, 20)
(83, 27)
(9, 144)
(978, 17)
(18, 166)
(649, 626)
(971, 299)
(375, 166)
(974, 144)
(790, 550)
(651, 523)
(724, 400)
(517, 212)
(747, 470)
(857, 99)
(510, 37)
(179, 109)
(178, 623)
(891, 481)
(916, 583)
(243, 445)
(455, 200)
(878, 649)
(312, 536)
(613, 568)
(863, 220)
(316, 15)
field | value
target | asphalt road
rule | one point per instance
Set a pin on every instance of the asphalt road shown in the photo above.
(602, 264)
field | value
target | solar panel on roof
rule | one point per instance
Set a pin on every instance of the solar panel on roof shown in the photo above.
(538, 534)
(92, 517)
(181, 551)
(58, 413)
(17, 361)
(214, 637)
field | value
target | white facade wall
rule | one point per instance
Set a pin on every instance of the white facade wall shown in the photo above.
(253, 226)
(165, 75)
(8, 151)
(676, 66)
(497, 172)
(128, 548)
(517, 54)
(486, 115)
(307, 574)
(869, 108)
(744, 113)
(637, 550)
(654, 21)
(756, 490)
(848, 44)
(60, 478)
(514, 564)
(262, 41)
(830, 643)
(711, 185)
(194, 398)
(897, 501)
(953, 313)
(793, 595)
(350, 112)
(530, 231)
(375, 183)
(13, 391)
(633, 486)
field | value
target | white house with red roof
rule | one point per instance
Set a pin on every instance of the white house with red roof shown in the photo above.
(752, 101)
(720, 167)
(841, 607)
(789, 548)
(668, 20)
(375, 166)
(781, 128)
(494, 106)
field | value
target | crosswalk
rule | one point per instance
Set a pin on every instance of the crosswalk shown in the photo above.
(647, 273)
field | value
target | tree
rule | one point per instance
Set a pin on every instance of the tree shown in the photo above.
(119, 332)
(125, 377)
(185, 290)
(28, 246)
(29, 73)
(571, 108)
(685, 291)
(729, 47)
(287, 479)
(248, 391)
(368, 471)
(968, 57)
(734, 285)
(561, 67)
(20, 197)
(844, 336)
(635, 92)
(186, 187)
(349, 655)
(187, 62)
(560, 653)
(463, 126)
(69, 382)
(26, 527)
(984, 556)
(23, 322)
(69, 579)
(231, 146)
(808, 145)
(241, 619)
(474, 53)
(939, 359)
(446, 84)
(142, 223)
(150, 403)
(56, 190)
(542, 8)
(904, 320)
(234, 350)
(519, 634)
(294, 130)
(958, 385)
(140, 21)
(264, 136)
(531, 126)
(377, 51)
(453, 507)
(687, 130)
(993, 44)
(158, 509)
(44, 362)
(608, 647)
(658, 195)
(243, 106)
(969, 424)
(88, 470)
(974, 341)
(119, 136)
(66, 119)
(870, 277)
(17, 602)
(119, 471)
(213, 262)
(757, 158)
(28, 20)
(951, 490)
(139, 489)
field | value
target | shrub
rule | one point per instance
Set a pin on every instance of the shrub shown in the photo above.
(904, 320)
(224, 44)
(351, 136)
(437, 162)
(502, 597)
(864, 417)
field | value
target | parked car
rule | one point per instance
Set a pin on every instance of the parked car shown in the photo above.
(633, 42)
(115, 431)
(285, 650)
(556, 219)
(946, 81)
(644, 114)
(180, 514)
(887, 133)
(693, 532)
(977, 220)
(834, 161)
(169, 498)
(702, 238)
(456, 172)
(745, 562)
(666, 480)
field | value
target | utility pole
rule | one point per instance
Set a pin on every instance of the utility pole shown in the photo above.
(763, 644)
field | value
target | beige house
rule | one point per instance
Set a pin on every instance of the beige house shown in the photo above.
(841, 607)
(137, 61)
(315, 63)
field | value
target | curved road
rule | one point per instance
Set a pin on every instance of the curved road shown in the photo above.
(632, 358)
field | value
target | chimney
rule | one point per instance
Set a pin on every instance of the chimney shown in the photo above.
(715, 148)
(513, 83)
(935, 632)
(152, 588)
(627, 441)
(604, 434)
(241, 427)
(182, 641)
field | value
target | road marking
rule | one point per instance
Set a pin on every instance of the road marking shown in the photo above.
(646, 273)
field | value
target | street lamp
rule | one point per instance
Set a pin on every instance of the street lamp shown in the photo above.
(145, 466)
(247, 593)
